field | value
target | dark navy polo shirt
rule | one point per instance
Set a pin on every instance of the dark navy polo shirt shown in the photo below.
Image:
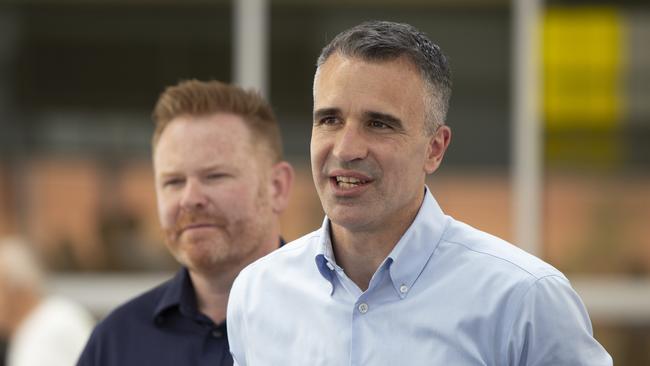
(160, 327)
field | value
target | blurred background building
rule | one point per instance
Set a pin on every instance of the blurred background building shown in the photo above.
(78, 80)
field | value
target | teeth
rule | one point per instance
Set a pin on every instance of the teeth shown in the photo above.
(348, 182)
(346, 185)
(347, 179)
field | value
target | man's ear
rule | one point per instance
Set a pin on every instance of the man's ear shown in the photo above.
(282, 176)
(438, 144)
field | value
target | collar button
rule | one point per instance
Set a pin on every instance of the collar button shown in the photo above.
(216, 333)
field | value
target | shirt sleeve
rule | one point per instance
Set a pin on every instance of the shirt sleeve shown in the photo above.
(553, 328)
(235, 323)
(89, 354)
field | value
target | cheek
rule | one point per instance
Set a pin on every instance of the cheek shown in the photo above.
(317, 153)
(410, 168)
(312, 153)
(318, 143)
(166, 212)
(236, 199)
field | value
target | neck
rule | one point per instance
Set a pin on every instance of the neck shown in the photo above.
(361, 251)
(212, 293)
(212, 288)
(356, 257)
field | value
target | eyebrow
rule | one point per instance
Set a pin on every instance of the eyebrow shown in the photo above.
(203, 170)
(368, 115)
(326, 112)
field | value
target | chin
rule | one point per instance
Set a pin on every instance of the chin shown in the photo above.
(203, 255)
(203, 263)
(349, 220)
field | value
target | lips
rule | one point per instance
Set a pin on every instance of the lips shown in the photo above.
(197, 226)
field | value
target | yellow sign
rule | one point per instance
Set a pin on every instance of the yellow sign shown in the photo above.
(583, 62)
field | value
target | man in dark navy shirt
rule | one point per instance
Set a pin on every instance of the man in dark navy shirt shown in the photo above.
(221, 185)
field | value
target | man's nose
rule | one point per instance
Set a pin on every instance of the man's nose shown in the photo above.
(193, 195)
(350, 143)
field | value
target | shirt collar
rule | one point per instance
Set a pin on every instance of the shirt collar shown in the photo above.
(178, 294)
(414, 249)
(409, 256)
(325, 255)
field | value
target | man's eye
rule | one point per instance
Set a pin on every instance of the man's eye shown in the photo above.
(327, 121)
(215, 176)
(378, 124)
(172, 182)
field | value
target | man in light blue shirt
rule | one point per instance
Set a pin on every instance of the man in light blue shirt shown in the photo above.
(389, 279)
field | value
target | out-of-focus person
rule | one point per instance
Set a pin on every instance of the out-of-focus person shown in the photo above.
(221, 186)
(40, 329)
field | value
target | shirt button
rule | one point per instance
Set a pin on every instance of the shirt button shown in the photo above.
(403, 289)
(217, 333)
(363, 308)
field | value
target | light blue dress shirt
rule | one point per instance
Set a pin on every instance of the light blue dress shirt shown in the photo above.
(448, 294)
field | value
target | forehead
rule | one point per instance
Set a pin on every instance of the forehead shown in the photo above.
(203, 139)
(393, 86)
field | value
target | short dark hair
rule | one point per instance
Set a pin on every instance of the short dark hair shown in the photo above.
(384, 41)
(202, 98)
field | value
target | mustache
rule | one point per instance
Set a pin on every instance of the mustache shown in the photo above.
(195, 217)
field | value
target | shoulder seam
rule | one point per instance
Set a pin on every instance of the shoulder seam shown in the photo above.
(537, 277)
